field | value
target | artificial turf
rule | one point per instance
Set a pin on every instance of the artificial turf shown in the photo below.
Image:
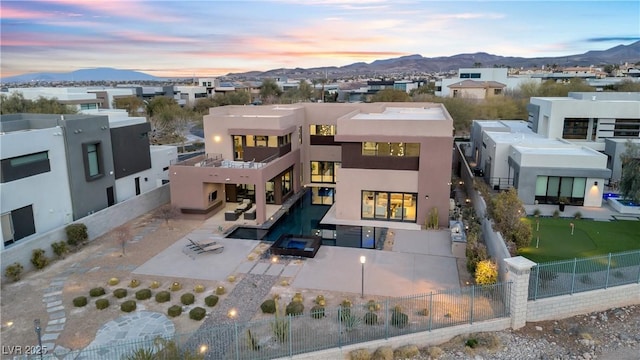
(590, 238)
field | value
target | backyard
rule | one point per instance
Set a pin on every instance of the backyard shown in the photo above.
(557, 239)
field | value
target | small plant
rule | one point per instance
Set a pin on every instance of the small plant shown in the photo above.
(143, 294)
(80, 301)
(556, 214)
(120, 293)
(39, 259)
(295, 308)
(383, 353)
(211, 300)
(406, 352)
(398, 318)
(547, 275)
(280, 326)
(537, 212)
(360, 354)
(284, 283)
(268, 306)
(199, 288)
(77, 234)
(113, 281)
(174, 311)
(297, 297)
(134, 283)
(472, 343)
(372, 305)
(154, 285)
(486, 273)
(13, 271)
(102, 304)
(320, 300)
(163, 296)
(97, 291)
(345, 310)
(220, 290)
(370, 318)
(423, 312)
(187, 299)
(317, 312)
(128, 306)
(60, 249)
(175, 286)
(252, 341)
(197, 313)
(586, 279)
(231, 278)
(350, 321)
(577, 215)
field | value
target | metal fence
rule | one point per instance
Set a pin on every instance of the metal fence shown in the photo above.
(578, 275)
(275, 337)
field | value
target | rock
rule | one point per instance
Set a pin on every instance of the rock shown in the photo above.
(539, 328)
(557, 331)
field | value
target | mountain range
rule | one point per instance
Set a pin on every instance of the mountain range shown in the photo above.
(401, 65)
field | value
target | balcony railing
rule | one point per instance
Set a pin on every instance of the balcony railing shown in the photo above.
(216, 160)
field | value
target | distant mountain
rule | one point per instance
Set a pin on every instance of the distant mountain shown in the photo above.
(97, 74)
(419, 64)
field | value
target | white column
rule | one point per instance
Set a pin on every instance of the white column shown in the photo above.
(518, 269)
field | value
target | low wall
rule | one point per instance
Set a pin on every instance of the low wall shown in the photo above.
(421, 339)
(559, 307)
(97, 224)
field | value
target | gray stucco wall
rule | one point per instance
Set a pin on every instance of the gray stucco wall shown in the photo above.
(97, 224)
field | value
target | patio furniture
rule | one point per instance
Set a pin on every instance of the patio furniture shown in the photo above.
(199, 248)
(232, 215)
(198, 245)
(250, 214)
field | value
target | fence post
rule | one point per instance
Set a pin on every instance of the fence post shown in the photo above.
(473, 294)
(386, 319)
(638, 267)
(573, 276)
(518, 271)
(430, 309)
(535, 291)
(606, 283)
(235, 330)
(339, 326)
(290, 338)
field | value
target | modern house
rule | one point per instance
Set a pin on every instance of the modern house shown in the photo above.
(480, 83)
(384, 162)
(56, 169)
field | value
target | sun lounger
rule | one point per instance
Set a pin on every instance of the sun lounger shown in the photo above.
(200, 248)
(197, 244)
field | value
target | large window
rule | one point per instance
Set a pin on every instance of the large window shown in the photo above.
(287, 183)
(394, 206)
(324, 171)
(575, 128)
(238, 149)
(262, 140)
(322, 130)
(17, 224)
(93, 160)
(627, 128)
(24, 166)
(390, 149)
(549, 189)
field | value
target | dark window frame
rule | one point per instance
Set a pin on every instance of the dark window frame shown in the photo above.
(99, 158)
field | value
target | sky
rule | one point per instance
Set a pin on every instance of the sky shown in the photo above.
(213, 38)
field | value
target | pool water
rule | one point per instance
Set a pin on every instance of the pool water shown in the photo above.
(628, 203)
(304, 219)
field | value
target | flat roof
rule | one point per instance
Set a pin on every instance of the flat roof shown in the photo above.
(558, 151)
(403, 113)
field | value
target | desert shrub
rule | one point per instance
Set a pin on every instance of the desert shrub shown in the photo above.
(134, 283)
(174, 311)
(76, 234)
(102, 304)
(294, 308)
(143, 294)
(360, 354)
(231, 278)
(297, 297)
(370, 318)
(211, 300)
(154, 285)
(345, 310)
(268, 306)
(197, 313)
(556, 214)
(39, 259)
(423, 312)
(317, 312)
(163, 296)
(13, 271)
(252, 342)
(120, 293)
(198, 288)
(97, 291)
(220, 290)
(187, 299)
(175, 286)
(320, 300)
(372, 305)
(80, 301)
(406, 352)
(383, 353)
(113, 281)
(434, 352)
(486, 273)
(577, 215)
(399, 319)
(128, 306)
(59, 248)
(472, 343)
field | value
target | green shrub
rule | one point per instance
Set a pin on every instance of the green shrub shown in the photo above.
(370, 318)
(294, 308)
(197, 313)
(113, 281)
(317, 312)
(486, 272)
(102, 304)
(556, 214)
(163, 296)
(80, 301)
(59, 248)
(143, 294)
(472, 343)
(187, 299)
(97, 291)
(268, 306)
(128, 306)
(39, 259)
(577, 215)
(399, 319)
(406, 352)
(76, 234)
(174, 311)
(120, 293)
(13, 271)
(220, 290)
(211, 300)
(372, 305)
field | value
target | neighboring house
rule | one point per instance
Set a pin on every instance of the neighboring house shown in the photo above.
(190, 94)
(471, 81)
(389, 162)
(472, 89)
(57, 169)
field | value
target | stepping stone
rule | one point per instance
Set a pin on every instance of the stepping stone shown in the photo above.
(50, 336)
(53, 293)
(55, 308)
(275, 269)
(56, 315)
(245, 267)
(57, 321)
(54, 303)
(260, 268)
(290, 270)
(52, 328)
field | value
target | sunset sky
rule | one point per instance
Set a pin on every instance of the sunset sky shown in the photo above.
(210, 38)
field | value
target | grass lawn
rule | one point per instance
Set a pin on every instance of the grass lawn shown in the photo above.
(590, 238)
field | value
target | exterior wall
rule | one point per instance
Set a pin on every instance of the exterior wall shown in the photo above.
(51, 205)
(97, 224)
(126, 186)
(613, 149)
(130, 146)
(161, 158)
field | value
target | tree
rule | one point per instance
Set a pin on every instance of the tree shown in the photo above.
(16, 103)
(627, 85)
(391, 95)
(630, 181)
(306, 91)
(132, 104)
(269, 91)
(122, 234)
(167, 213)
(507, 212)
(203, 105)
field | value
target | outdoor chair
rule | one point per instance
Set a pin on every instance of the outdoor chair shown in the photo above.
(212, 247)
(197, 244)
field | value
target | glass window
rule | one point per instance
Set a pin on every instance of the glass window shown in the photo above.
(390, 149)
(238, 151)
(575, 128)
(541, 186)
(579, 186)
(261, 141)
(368, 204)
(381, 205)
(93, 159)
(28, 159)
(384, 205)
(369, 148)
(322, 130)
(412, 149)
(251, 142)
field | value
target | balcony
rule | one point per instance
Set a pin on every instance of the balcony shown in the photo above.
(216, 161)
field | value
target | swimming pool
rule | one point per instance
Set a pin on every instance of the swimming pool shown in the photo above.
(304, 219)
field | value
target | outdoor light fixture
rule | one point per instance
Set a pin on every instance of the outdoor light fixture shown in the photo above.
(203, 348)
(363, 260)
(595, 183)
(217, 138)
(232, 313)
(274, 259)
(426, 197)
